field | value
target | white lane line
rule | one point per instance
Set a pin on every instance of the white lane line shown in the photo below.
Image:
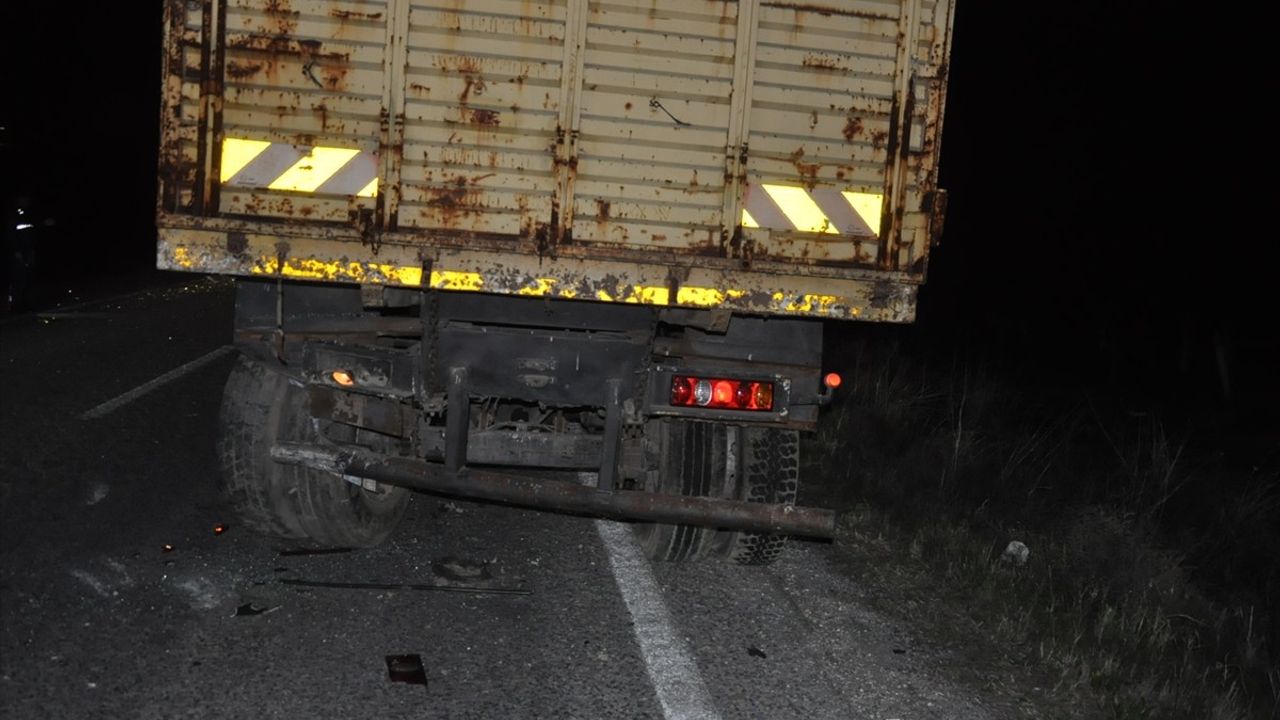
(675, 676)
(146, 387)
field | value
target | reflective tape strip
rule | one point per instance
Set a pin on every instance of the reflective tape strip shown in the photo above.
(237, 153)
(196, 258)
(313, 169)
(298, 168)
(822, 210)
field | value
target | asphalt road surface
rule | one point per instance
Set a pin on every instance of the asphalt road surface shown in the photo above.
(126, 591)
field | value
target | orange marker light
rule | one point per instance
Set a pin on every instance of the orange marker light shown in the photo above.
(343, 378)
(764, 396)
(832, 380)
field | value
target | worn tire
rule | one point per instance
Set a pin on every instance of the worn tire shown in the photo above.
(690, 460)
(261, 407)
(715, 460)
(770, 474)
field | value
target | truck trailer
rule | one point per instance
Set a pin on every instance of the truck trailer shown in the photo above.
(569, 255)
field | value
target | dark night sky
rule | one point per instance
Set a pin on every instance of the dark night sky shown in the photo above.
(1095, 152)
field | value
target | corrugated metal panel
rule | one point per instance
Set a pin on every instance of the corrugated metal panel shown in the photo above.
(752, 136)
(303, 74)
(481, 115)
(179, 151)
(821, 110)
(657, 81)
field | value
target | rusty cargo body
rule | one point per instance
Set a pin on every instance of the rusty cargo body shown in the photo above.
(436, 208)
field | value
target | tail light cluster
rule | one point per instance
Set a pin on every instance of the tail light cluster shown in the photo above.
(721, 393)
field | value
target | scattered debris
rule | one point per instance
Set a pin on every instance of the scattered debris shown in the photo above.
(457, 570)
(97, 493)
(94, 583)
(754, 651)
(252, 609)
(298, 552)
(1016, 553)
(219, 529)
(204, 594)
(450, 507)
(407, 586)
(166, 548)
(406, 669)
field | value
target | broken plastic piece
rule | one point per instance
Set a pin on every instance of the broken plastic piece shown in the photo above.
(219, 529)
(406, 669)
(166, 548)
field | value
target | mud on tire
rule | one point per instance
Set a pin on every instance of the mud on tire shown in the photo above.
(261, 407)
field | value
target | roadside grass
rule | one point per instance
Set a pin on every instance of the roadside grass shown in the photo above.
(1151, 586)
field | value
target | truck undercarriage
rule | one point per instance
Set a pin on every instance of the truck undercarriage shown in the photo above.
(686, 419)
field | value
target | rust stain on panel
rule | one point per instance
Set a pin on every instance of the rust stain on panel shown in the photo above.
(827, 11)
(240, 71)
(852, 126)
(808, 171)
(820, 62)
(457, 199)
(328, 69)
(354, 15)
(334, 77)
(483, 118)
(284, 17)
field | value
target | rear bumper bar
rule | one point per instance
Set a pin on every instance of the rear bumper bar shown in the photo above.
(544, 494)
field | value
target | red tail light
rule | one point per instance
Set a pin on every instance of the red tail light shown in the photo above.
(721, 393)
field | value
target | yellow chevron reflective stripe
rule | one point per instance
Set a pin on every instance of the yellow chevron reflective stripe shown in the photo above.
(262, 165)
(868, 207)
(237, 153)
(800, 209)
(313, 169)
(821, 210)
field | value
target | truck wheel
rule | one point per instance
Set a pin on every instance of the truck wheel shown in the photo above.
(770, 474)
(261, 407)
(716, 460)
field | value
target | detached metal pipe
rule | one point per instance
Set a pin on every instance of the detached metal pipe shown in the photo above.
(561, 495)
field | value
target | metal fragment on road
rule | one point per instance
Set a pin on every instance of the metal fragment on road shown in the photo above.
(407, 669)
(407, 586)
(250, 609)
